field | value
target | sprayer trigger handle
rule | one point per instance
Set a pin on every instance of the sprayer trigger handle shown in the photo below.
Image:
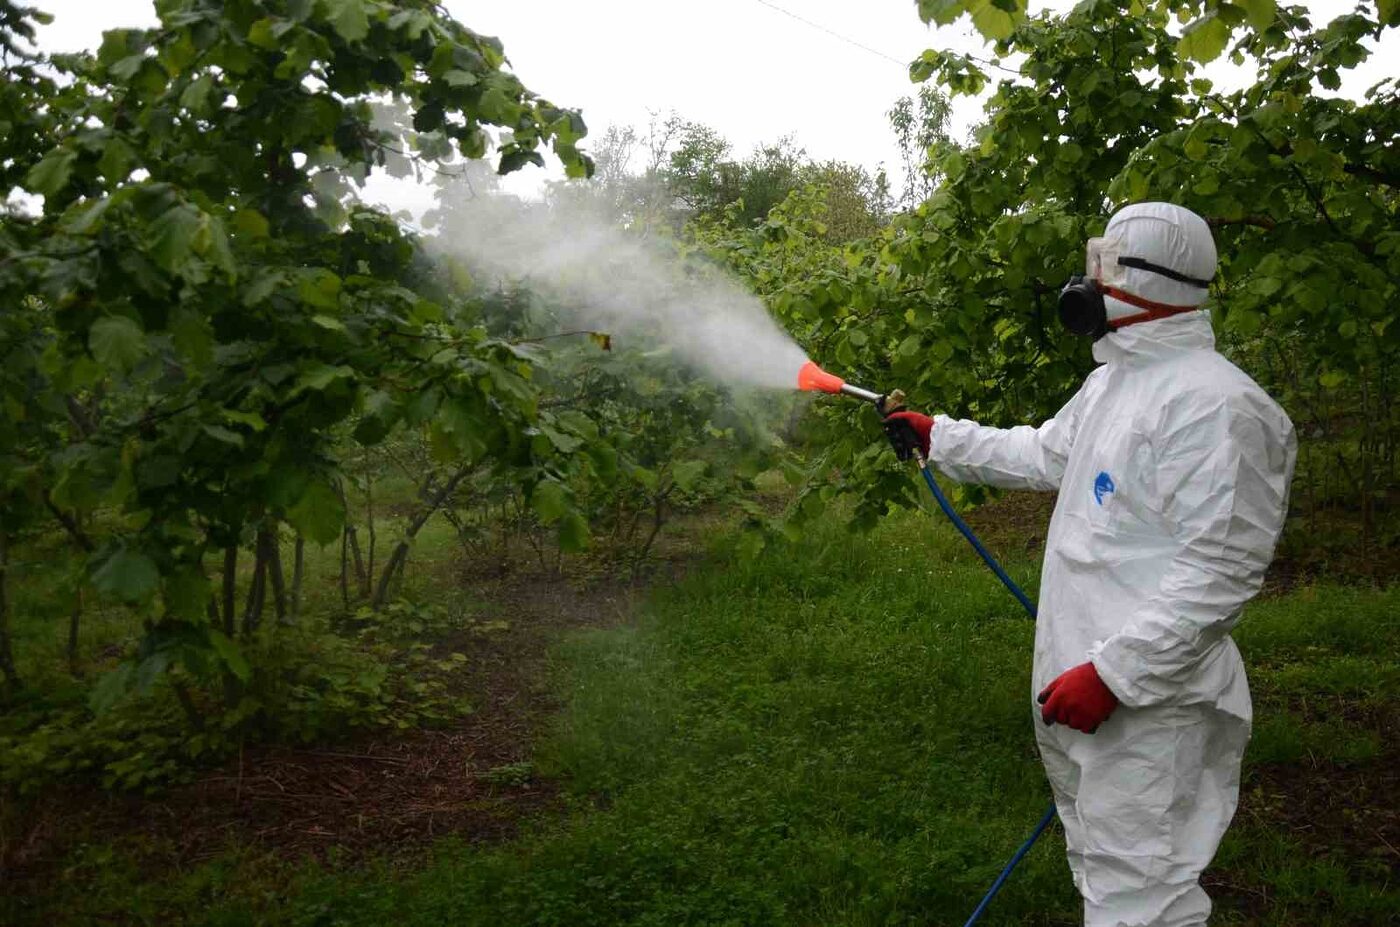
(903, 438)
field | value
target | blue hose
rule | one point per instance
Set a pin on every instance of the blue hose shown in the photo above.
(1029, 606)
(972, 539)
(1045, 820)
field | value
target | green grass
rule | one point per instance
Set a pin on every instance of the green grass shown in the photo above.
(837, 734)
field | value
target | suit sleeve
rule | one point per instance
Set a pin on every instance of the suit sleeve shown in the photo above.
(1222, 477)
(1012, 458)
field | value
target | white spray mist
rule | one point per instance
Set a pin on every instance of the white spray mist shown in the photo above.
(606, 278)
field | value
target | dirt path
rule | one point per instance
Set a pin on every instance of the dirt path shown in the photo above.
(387, 793)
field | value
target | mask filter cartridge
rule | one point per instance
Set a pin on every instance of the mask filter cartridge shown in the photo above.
(1082, 309)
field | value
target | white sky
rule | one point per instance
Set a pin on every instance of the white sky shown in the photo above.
(740, 66)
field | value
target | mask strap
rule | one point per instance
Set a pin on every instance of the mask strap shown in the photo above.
(1167, 272)
(1151, 311)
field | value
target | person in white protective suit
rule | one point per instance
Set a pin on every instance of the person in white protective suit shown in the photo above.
(1173, 470)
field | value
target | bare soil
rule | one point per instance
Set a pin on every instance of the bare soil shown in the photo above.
(387, 793)
(1348, 814)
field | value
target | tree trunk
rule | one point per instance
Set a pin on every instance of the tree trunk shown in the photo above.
(361, 577)
(369, 525)
(298, 571)
(396, 562)
(1367, 466)
(257, 589)
(7, 657)
(400, 554)
(345, 568)
(182, 695)
(230, 587)
(658, 519)
(275, 574)
(75, 617)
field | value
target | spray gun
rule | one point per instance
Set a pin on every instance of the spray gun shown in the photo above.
(902, 435)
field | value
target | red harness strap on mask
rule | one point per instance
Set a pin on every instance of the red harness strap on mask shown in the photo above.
(1151, 311)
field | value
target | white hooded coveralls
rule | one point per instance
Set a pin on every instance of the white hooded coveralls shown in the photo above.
(1173, 470)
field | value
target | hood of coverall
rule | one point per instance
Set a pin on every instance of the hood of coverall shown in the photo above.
(1164, 234)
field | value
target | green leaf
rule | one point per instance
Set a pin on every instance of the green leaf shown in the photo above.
(116, 45)
(550, 500)
(1260, 13)
(230, 654)
(116, 342)
(223, 435)
(262, 287)
(128, 575)
(348, 17)
(320, 376)
(218, 252)
(171, 236)
(573, 533)
(941, 12)
(108, 690)
(459, 78)
(514, 160)
(193, 336)
(1389, 11)
(261, 34)
(687, 473)
(87, 218)
(645, 477)
(1204, 39)
(564, 442)
(251, 223)
(196, 96)
(117, 160)
(240, 417)
(320, 288)
(994, 22)
(51, 174)
(318, 514)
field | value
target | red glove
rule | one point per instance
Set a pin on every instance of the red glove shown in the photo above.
(922, 426)
(1079, 698)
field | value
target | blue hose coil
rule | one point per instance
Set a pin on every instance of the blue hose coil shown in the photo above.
(1029, 606)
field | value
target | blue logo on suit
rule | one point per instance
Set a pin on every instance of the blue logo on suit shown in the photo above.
(1103, 485)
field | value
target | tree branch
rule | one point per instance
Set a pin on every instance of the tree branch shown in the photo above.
(71, 525)
(1263, 222)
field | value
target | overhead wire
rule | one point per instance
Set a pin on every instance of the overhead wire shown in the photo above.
(834, 34)
(990, 63)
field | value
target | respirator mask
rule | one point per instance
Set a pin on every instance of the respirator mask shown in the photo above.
(1081, 306)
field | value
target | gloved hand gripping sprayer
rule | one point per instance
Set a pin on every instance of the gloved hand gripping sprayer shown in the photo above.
(907, 446)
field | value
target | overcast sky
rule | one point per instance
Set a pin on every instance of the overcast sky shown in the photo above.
(752, 72)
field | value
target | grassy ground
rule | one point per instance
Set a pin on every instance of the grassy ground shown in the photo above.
(839, 733)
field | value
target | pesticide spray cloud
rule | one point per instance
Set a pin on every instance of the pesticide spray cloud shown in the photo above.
(604, 277)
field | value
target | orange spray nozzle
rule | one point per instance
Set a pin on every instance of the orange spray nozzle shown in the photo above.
(814, 379)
